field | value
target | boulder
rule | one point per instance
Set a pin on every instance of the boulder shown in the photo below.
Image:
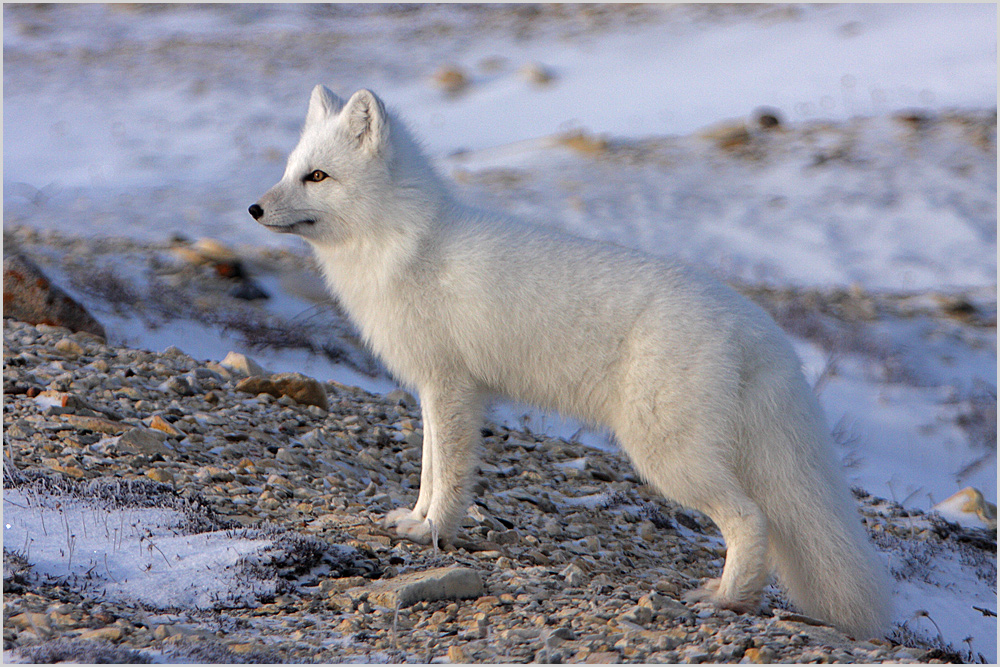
(29, 296)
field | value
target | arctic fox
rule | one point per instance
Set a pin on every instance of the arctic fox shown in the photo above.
(700, 387)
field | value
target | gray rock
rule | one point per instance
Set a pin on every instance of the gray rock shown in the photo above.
(574, 575)
(401, 397)
(144, 441)
(442, 583)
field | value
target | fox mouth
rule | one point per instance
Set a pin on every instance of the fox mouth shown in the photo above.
(291, 227)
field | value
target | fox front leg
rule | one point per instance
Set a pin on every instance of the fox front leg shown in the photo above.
(451, 420)
(403, 519)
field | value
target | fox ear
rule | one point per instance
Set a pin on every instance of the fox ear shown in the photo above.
(323, 103)
(367, 120)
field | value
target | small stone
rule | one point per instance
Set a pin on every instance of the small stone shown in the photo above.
(69, 347)
(303, 389)
(178, 385)
(160, 475)
(456, 655)
(290, 456)
(503, 536)
(244, 648)
(96, 424)
(451, 79)
(574, 575)
(248, 290)
(647, 531)
(242, 364)
(537, 74)
(32, 621)
(729, 136)
(110, 634)
(144, 441)
(158, 423)
(401, 397)
(759, 656)
(638, 615)
(213, 251)
(603, 658)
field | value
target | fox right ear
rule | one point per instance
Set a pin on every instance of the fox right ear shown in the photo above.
(323, 103)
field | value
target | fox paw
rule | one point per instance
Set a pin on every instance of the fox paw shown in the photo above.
(410, 525)
(709, 592)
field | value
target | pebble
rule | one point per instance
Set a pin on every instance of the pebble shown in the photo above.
(535, 576)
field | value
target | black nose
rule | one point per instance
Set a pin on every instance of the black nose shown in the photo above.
(256, 211)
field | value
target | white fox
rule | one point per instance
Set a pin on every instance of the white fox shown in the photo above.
(700, 387)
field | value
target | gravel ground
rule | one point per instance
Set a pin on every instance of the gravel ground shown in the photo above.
(580, 561)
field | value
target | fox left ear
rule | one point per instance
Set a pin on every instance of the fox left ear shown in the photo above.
(322, 103)
(367, 120)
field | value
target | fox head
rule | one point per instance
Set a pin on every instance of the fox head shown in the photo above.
(355, 173)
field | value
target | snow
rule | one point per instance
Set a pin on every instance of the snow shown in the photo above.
(131, 554)
(938, 597)
(149, 123)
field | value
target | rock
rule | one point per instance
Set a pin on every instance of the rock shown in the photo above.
(32, 621)
(177, 385)
(767, 118)
(969, 508)
(303, 389)
(158, 423)
(143, 441)
(665, 606)
(582, 142)
(401, 397)
(729, 136)
(96, 424)
(603, 658)
(457, 655)
(639, 615)
(537, 74)
(210, 474)
(53, 402)
(759, 656)
(29, 296)
(451, 79)
(110, 633)
(241, 363)
(442, 583)
(574, 575)
(160, 475)
(69, 347)
(248, 290)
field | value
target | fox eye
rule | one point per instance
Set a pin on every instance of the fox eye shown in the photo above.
(316, 176)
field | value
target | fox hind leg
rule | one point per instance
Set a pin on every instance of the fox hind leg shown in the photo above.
(703, 481)
(744, 529)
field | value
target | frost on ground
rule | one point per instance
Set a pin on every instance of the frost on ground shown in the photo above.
(138, 542)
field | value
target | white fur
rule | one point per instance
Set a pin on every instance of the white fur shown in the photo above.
(700, 387)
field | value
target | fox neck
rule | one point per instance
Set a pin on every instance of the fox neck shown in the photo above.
(368, 271)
